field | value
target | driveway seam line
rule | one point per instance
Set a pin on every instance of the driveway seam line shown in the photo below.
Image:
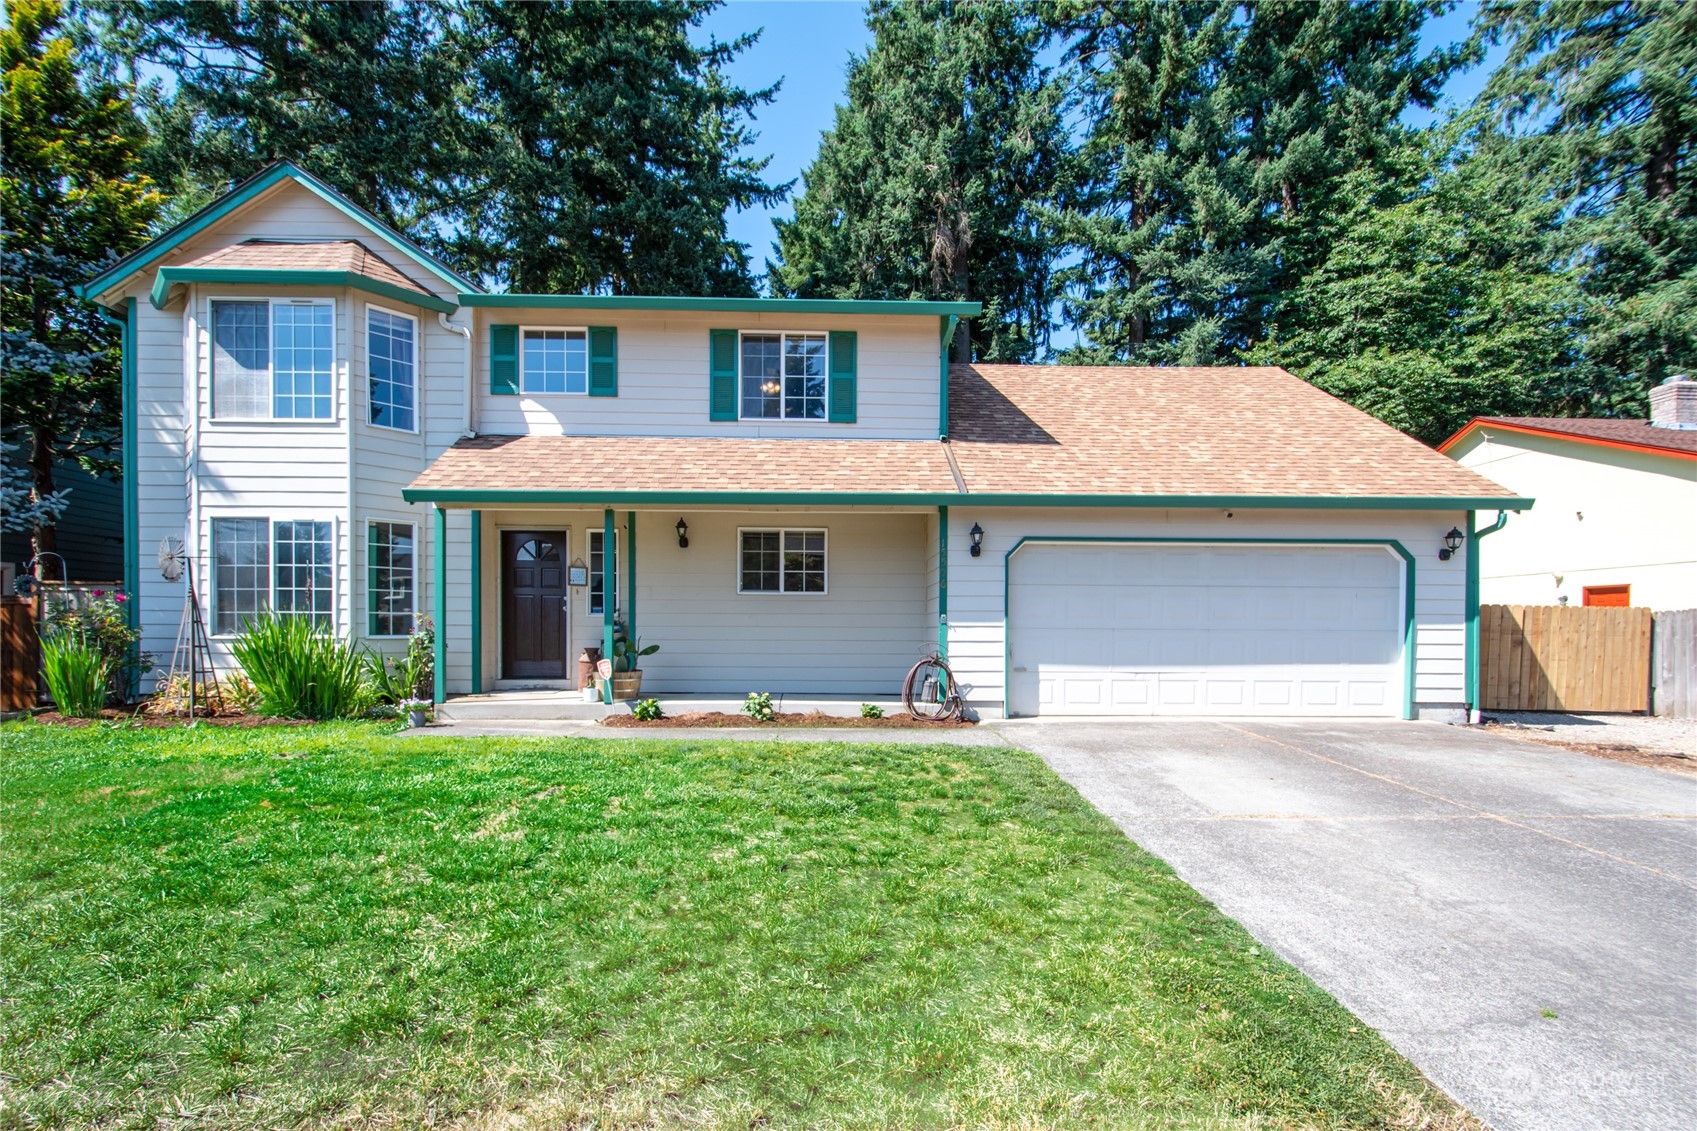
(1678, 879)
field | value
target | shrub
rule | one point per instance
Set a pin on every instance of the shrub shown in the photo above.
(410, 676)
(758, 705)
(647, 710)
(103, 623)
(300, 671)
(76, 671)
(871, 711)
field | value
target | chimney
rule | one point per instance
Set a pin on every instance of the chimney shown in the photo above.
(1673, 403)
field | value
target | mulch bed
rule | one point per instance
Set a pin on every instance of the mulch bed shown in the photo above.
(793, 719)
(54, 718)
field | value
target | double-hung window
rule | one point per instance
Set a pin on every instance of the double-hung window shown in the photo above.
(783, 376)
(391, 342)
(393, 578)
(597, 579)
(272, 360)
(259, 564)
(781, 561)
(555, 361)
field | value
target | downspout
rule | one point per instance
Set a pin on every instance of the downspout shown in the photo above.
(949, 323)
(943, 582)
(609, 583)
(439, 600)
(1471, 690)
(132, 519)
(467, 423)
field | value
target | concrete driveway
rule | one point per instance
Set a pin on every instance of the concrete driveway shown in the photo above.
(1520, 921)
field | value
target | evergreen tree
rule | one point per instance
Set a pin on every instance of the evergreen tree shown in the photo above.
(608, 149)
(72, 202)
(1436, 300)
(926, 186)
(1610, 90)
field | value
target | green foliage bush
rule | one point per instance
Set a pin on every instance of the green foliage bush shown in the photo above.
(871, 711)
(302, 672)
(76, 671)
(758, 705)
(648, 710)
(104, 623)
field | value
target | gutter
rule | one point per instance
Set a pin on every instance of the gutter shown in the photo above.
(1471, 689)
(467, 424)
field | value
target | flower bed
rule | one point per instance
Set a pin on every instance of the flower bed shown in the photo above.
(792, 719)
(142, 719)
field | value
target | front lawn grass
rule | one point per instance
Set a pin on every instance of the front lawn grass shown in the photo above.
(332, 926)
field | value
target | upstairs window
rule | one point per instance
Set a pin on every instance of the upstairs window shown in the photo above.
(272, 360)
(555, 361)
(783, 376)
(391, 355)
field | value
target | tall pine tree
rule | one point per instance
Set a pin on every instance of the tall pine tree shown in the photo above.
(1609, 91)
(926, 186)
(72, 202)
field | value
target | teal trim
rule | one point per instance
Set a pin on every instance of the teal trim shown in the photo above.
(504, 360)
(687, 304)
(609, 586)
(842, 399)
(1408, 590)
(949, 322)
(630, 576)
(439, 601)
(943, 582)
(169, 277)
(127, 430)
(928, 499)
(722, 375)
(476, 602)
(603, 361)
(246, 191)
(1471, 690)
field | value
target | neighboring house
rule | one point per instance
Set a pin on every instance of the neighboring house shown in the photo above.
(341, 427)
(1616, 522)
(90, 531)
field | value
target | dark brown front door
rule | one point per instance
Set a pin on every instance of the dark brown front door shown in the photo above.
(533, 617)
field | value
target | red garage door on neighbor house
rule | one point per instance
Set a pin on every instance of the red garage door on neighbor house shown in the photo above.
(1608, 596)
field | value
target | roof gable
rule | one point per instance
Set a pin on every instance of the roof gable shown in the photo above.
(1630, 435)
(249, 191)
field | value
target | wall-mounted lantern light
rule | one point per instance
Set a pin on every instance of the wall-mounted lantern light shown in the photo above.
(683, 534)
(977, 535)
(1452, 543)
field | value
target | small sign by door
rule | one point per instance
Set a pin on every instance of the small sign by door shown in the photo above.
(604, 669)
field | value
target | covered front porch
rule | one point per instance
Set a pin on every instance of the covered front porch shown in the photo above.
(827, 606)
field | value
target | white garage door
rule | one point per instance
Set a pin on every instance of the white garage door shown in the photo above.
(1204, 630)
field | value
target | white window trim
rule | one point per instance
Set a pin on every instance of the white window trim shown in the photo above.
(781, 531)
(589, 536)
(216, 421)
(210, 610)
(781, 419)
(584, 330)
(417, 369)
(416, 554)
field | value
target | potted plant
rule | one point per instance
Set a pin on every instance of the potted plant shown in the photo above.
(627, 677)
(417, 711)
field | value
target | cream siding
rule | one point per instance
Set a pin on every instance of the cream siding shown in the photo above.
(664, 386)
(1604, 516)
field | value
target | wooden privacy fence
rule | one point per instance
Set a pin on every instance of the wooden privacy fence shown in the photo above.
(1564, 658)
(1674, 664)
(20, 654)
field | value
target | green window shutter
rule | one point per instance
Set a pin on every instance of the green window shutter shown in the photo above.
(504, 360)
(371, 577)
(603, 361)
(842, 398)
(722, 353)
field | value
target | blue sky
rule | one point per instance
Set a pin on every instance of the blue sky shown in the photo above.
(807, 43)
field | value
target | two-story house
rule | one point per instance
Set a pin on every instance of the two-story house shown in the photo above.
(800, 496)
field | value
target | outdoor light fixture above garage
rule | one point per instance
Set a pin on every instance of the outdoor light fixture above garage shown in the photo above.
(683, 534)
(1452, 543)
(977, 535)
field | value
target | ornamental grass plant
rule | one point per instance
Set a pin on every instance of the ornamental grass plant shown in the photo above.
(76, 671)
(301, 671)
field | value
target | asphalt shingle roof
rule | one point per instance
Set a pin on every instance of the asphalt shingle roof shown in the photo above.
(1640, 433)
(328, 255)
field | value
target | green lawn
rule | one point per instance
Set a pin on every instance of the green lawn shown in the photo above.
(329, 925)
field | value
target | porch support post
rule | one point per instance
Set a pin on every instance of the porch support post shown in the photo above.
(439, 600)
(609, 580)
(943, 582)
(630, 575)
(477, 602)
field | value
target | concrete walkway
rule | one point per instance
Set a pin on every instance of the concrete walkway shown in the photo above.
(1521, 922)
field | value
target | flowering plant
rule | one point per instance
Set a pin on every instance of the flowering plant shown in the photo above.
(104, 623)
